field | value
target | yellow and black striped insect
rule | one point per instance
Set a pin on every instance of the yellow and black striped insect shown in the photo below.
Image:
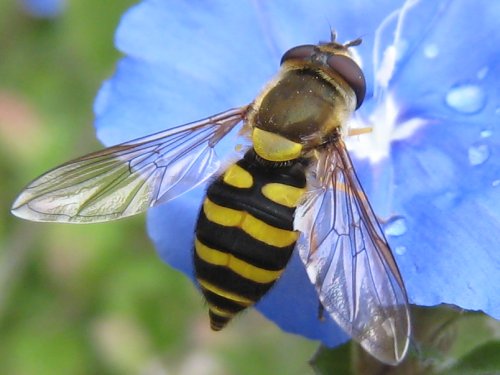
(294, 189)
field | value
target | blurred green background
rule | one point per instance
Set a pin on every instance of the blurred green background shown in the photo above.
(95, 299)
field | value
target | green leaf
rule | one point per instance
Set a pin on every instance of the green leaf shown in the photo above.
(446, 340)
(484, 359)
(332, 361)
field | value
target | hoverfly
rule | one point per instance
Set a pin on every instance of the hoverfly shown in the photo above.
(294, 189)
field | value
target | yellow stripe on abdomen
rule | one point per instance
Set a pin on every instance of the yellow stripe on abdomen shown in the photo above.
(221, 312)
(267, 233)
(224, 293)
(285, 195)
(222, 215)
(238, 177)
(242, 268)
(254, 227)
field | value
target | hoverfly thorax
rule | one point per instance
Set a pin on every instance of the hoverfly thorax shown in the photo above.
(309, 102)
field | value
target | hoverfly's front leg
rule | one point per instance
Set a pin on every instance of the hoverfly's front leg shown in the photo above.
(358, 131)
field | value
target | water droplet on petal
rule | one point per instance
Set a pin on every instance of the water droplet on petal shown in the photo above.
(486, 133)
(446, 200)
(466, 98)
(478, 154)
(431, 50)
(482, 72)
(400, 250)
(495, 183)
(395, 226)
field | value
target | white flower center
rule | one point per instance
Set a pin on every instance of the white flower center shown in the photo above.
(376, 145)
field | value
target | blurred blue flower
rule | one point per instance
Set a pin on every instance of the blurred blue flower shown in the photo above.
(43, 8)
(430, 167)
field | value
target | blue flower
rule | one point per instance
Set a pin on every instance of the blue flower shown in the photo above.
(43, 8)
(430, 167)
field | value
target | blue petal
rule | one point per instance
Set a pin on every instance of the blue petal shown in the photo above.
(190, 60)
(220, 56)
(439, 58)
(235, 47)
(171, 227)
(442, 180)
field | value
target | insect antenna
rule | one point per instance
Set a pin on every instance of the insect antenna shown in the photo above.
(353, 43)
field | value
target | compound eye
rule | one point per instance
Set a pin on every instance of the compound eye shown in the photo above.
(299, 53)
(351, 73)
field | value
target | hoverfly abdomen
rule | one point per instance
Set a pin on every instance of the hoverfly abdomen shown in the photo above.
(244, 234)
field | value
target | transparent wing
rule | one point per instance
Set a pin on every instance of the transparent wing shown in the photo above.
(348, 259)
(129, 178)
